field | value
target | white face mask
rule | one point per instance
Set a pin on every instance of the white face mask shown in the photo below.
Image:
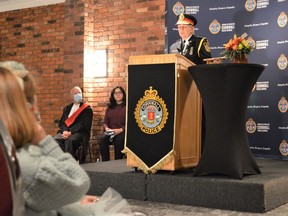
(77, 97)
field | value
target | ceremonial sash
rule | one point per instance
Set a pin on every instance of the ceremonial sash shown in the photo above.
(72, 118)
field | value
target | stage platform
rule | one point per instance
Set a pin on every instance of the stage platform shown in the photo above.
(254, 193)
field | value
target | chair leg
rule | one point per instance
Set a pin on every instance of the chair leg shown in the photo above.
(90, 154)
(83, 153)
(79, 153)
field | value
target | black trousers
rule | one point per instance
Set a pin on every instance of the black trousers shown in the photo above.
(118, 142)
(71, 144)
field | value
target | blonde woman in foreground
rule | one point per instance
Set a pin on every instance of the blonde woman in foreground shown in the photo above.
(53, 182)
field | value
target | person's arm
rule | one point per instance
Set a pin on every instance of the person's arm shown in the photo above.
(121, 118)
(62, 126)
(106, 123)
(51, 178)
(205, 51)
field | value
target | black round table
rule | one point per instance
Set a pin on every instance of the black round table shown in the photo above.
(225, 91)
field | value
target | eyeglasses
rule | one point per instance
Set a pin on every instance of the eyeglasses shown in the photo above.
(118, 93)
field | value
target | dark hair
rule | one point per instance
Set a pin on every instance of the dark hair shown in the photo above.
(112, 102)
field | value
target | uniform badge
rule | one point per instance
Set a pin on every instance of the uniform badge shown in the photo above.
(151, 113)
(181, 17)
(191, 51)
(207, 46)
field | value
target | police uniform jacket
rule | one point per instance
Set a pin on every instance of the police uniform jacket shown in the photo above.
(196, 50)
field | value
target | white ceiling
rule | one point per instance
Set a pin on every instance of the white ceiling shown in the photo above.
(8, 5)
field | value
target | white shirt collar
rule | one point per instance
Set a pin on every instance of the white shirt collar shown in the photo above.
(74, 108)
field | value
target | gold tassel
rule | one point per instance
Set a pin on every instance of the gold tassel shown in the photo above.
(153, 169)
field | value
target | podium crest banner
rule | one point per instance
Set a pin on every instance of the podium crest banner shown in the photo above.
(150, 115)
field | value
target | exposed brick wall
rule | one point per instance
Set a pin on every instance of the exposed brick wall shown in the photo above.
(35, 37)
(51, 42)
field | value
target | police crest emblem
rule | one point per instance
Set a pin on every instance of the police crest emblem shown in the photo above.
(214, 27)
(250, 5)
(282, 62)
(282, 20)
(178, 8)
(251, 126)
(283, 105)
(151, 113)
(283, 148)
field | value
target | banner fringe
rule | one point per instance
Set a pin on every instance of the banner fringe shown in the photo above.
(153, 169)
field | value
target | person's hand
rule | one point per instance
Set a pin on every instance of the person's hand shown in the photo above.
(66, 134)
(107, 129)
(88, 199)
(118, 131)
(40, 135)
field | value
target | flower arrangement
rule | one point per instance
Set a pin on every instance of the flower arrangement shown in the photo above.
(237, 49)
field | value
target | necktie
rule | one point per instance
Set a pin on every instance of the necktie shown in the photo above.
(185, 47)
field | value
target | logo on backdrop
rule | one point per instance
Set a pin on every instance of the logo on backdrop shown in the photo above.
(262, 86)
(282, 105)
(283, 148)
(214, 27)
(178, 8)
(282, 62)
(250, 5)
(151, 113)
(251, 126)
(282, 20)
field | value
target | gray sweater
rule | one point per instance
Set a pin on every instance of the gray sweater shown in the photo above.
(51, 179)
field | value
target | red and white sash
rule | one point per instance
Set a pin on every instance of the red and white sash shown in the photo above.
(72, 118)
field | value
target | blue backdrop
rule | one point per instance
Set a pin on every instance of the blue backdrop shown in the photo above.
(265, 22)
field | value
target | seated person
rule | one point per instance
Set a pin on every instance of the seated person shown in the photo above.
(53, 183)
(75, 124)
(51, 179)
(114, 121)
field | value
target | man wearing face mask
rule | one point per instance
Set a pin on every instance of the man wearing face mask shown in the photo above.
(75, 124)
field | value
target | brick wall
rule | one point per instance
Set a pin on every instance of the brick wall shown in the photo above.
(35, 37)
(51, 42)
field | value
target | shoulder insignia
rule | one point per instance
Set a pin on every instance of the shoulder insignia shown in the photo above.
(207, 46)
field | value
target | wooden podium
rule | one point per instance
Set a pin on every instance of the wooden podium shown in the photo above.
(164, 110)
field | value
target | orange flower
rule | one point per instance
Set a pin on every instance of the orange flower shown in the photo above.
(237, 47)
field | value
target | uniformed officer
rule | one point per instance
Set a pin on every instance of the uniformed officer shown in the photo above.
(192, 47)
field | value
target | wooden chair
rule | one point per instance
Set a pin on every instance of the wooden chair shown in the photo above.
(85, 145)
(83, 150)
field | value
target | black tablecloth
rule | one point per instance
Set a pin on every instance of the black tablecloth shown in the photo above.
(225, 91)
